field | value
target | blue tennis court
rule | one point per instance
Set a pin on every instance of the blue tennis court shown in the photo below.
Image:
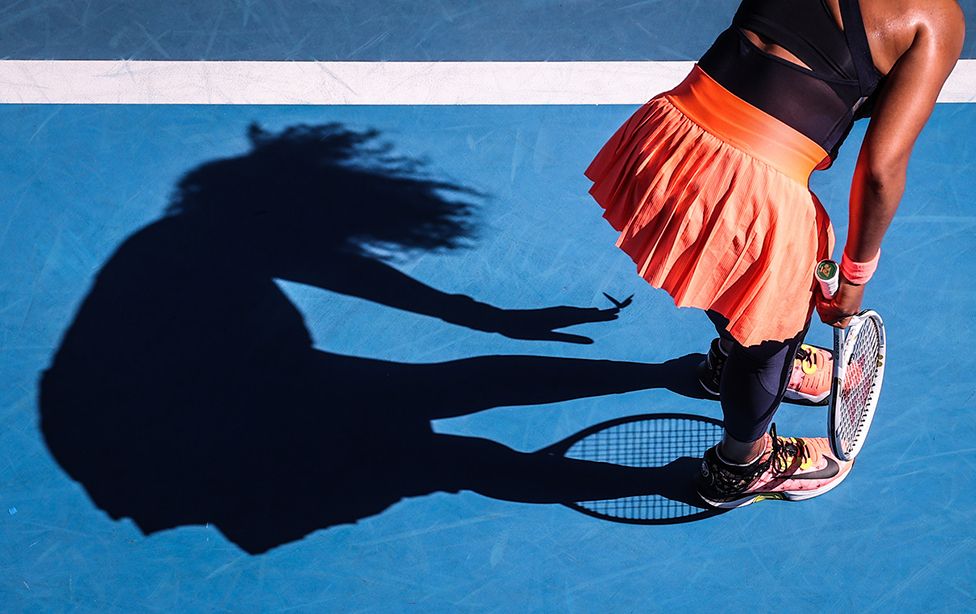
(324, 380)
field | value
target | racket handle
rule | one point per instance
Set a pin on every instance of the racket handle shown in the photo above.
(828, 276)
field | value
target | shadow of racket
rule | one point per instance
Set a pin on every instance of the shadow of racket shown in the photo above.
(671, 443)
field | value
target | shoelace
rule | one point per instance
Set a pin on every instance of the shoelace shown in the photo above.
(727, 480)
(809, 365)
(809, 359)
(785, 451)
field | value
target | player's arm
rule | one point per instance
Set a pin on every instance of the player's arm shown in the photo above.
(905, 104)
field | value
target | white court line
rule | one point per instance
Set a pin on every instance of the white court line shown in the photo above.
(370, 83)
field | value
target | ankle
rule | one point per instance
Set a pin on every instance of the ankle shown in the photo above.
(734, 452)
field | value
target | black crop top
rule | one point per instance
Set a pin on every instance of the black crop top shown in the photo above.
(821, 102)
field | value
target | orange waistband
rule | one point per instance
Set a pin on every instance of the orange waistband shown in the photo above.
(742, 125)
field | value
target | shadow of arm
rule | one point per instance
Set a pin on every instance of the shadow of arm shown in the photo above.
(378, 282)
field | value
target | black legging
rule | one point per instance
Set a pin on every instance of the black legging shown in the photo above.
(753, 381)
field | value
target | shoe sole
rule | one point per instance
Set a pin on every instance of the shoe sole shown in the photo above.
(708, 389)
(805, 399)
(705, 368)
(799, 399)
(778, 496)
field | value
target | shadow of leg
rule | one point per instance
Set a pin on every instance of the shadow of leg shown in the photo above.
(495, 470)
(462, 387)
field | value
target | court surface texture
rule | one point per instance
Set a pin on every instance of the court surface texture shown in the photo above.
(301, 365)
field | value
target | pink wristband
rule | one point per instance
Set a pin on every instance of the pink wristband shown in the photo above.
(858, 272)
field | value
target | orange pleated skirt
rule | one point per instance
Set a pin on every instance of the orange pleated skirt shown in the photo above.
(711, 199)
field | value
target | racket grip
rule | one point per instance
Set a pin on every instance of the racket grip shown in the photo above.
(828, 276)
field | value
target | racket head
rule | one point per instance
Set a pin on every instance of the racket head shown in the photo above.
(859, 361)
(671, 440)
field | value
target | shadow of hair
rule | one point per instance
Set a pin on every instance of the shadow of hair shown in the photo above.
(186, 390)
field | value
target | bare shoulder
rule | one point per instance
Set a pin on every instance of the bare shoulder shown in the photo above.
(943, 18)
(941, 29)
(895, 26)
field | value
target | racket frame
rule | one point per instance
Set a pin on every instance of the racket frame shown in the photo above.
(844, 343)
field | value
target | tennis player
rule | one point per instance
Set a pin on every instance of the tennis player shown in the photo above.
(708, 186)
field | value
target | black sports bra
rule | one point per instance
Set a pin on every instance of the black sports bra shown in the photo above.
(821, 102)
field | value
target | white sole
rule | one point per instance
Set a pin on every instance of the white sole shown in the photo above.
(793, 396)
(778, 496)
(707, 389)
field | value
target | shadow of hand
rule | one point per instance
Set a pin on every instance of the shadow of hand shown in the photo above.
(530, 324)
(541, 324)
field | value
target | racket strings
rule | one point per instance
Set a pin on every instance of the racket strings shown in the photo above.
(858, 388)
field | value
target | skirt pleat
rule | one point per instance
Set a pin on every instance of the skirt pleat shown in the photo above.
(714, 226)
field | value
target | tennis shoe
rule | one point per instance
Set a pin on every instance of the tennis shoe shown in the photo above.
(810, 379)
(789, 469)
(710, 369)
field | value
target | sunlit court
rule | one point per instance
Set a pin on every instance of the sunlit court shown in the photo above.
(307, 307)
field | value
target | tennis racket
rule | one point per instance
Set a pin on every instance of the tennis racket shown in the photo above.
(859, 357)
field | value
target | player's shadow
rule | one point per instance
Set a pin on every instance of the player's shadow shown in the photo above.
(187, 390)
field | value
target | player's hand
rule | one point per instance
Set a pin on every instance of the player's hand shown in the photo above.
(846, 302)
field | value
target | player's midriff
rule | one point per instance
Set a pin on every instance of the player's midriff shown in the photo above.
(821, 99)
(742, 125)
